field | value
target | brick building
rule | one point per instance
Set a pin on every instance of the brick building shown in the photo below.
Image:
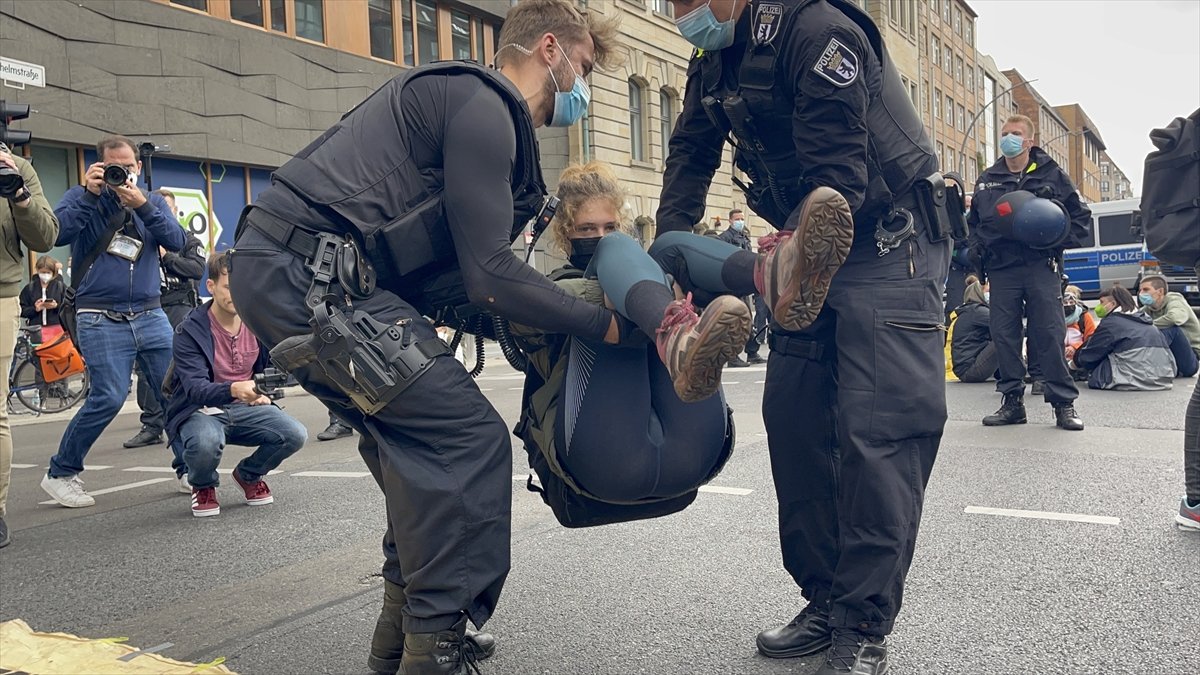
(1114, 184)
(1084, 148)
(1050, 131)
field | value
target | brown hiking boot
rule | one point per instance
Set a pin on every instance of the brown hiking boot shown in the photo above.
(696, 347)
(794, 269)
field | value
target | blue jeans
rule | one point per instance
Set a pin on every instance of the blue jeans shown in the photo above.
(203, 437)
(110, 348)
(1186, 361)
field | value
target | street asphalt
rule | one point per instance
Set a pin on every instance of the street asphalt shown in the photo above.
(294, 588)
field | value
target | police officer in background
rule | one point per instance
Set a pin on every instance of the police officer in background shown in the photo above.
(854, 404)
(1025, 212)
(409, 206)
(179, 273)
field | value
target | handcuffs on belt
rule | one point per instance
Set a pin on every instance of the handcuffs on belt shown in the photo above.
(887, 240)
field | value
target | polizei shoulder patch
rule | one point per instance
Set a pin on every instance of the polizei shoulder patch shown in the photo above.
(766, 22)
(838, 64)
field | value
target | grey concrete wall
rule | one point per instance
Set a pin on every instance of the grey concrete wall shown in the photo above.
(209, 88)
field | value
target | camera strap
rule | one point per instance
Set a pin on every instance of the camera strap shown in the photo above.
(116, 222)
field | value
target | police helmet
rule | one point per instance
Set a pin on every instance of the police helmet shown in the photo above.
(1031, 220)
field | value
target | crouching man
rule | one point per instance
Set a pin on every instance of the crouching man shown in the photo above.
(214, 401)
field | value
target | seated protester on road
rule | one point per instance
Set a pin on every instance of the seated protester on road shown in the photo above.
(1126, 352)
(214, 401)
(1176, 319)
(1080, 324)
(662, 446)
(972, 354)
(42, 296)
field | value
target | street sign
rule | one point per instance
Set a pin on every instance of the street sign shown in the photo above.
(17, 74)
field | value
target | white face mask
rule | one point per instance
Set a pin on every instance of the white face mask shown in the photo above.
(45, 277)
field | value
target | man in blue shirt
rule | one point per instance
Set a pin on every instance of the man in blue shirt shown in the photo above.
(119, 320)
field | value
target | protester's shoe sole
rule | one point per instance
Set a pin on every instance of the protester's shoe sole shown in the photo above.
(720, 335)
(824, 234)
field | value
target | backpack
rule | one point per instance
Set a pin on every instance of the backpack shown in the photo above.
(1170, 203)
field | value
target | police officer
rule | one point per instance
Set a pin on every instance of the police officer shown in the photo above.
(178, 273)
(409, 205)
(854, 404)
(1024, 213)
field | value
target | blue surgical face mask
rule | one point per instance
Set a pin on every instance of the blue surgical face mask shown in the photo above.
(1074, 316)
(569, 106)
(739, 225)
(1146, 299)
(1011, 145)
(701, 28)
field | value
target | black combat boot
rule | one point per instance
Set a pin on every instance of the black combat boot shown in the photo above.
(1011, 412)
(854, 653)
(1065, 417)
(446, 652)
(387, 644)
(808, 633)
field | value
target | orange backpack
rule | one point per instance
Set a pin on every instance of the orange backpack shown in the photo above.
(59, 359)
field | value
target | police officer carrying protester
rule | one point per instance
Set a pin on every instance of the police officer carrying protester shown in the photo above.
(408, 207)
(854, 403)
(1025, 212)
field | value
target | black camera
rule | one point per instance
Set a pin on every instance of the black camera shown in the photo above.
(116, 175)
(10, 180)
(269, 383)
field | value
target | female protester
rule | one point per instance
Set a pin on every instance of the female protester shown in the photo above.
(42, 296)
(1080, 324)
(1126, 352)
(972, 354)
(639, 421)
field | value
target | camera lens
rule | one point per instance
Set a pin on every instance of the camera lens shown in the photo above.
(116, 175)
(10, 182)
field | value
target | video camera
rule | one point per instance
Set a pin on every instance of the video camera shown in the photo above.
(269, 383)
(10, 180)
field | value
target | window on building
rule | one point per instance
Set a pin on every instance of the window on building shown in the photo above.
(925, 96)
(936, 47)
(1103, 169)
(913, 93)
(662, 7)
(201, 5)
(962, 119)
(948, 59)
(477, 26)
(946, 10)
(941, 152)
(666, 111)
(247, 11)
(1104, 185)
(637, 147)
(310, 20)
(970, 79)
(427, 31)
(958, 22)
(923, 42)
(460, 35)
(934, 5)
(383, 38)
(958, 69)
(279, 16)
(970, 32)
(949, 111)
(937, 103)
(406, 32)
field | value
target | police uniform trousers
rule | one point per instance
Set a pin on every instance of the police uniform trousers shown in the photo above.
(439, 451)
(1032, 290)
(854, 407)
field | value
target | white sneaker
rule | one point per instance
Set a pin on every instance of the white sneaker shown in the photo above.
(67, 491)
(184, 486)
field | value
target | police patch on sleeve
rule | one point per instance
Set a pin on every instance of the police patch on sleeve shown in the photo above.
(766, 22)
(838, 64)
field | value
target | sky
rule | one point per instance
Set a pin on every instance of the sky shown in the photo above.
(1133, 65)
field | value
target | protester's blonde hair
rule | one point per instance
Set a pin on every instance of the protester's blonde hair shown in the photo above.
(579, 184)
(529, 20)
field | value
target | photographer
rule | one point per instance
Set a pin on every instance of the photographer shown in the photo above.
(1025, 212)
(25, 221)
(179, 273)
(215, 401)
(115, 230)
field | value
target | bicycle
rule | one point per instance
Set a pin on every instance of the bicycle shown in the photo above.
(25, 381)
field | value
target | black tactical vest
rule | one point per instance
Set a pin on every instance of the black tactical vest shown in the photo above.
(899, 151)
(360, 174)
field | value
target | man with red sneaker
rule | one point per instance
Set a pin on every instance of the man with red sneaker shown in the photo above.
(214, 401)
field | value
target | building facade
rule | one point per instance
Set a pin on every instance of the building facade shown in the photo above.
(1114, 184)
(1084, 148)
(1050, 131)
(998, 106)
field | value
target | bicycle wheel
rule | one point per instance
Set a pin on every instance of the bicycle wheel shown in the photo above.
(48, 397)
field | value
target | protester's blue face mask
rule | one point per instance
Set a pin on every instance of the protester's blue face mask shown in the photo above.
(1146, 299)
(739, 225)
(569, 106)
(1011, 145)
(1074, 316)
(701, 28)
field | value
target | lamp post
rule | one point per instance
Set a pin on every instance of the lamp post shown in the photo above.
(962, 158)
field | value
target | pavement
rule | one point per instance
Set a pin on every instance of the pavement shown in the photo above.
(1040, 551)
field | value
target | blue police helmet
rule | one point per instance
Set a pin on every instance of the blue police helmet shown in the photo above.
(1030, 220)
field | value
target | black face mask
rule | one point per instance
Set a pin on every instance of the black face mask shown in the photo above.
(582, 251)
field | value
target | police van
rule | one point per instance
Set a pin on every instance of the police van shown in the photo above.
(1112, 253)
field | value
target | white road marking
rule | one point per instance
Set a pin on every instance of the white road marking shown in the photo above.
(1044, 515)
(741, 492)
(98, 467)
(24, 466)
(151, 469)
(515, 388)
(760, 382)
(730, 382)
(229, 471)
(487, 389)
(119, 488)
(333, 474)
